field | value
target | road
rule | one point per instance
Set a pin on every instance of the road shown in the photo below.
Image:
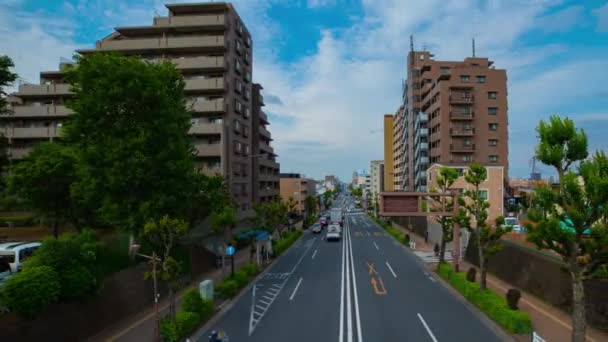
(365, 288)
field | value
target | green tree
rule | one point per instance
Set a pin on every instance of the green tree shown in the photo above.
(30, 291)
(311, 205)
(357, 192)
(223, 221)
(271, 215)
(7, 77)
(210, 194)
(43, 181)
(163, 235)
(477, 205)
(327, 197)
(571, 220)
(445, 180)
(130, 129)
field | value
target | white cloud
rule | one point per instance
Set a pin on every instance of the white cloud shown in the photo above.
(602, 18)
(320, 3)
(563, 20)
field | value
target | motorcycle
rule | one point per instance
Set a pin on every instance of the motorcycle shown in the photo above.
(218, 336)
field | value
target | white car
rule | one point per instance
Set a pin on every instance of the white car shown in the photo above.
(15, 253)
(335, 227)
(333, 235)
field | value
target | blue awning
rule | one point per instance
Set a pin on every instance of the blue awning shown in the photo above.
(258, 234)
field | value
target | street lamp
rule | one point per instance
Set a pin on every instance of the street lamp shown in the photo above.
(154, 259)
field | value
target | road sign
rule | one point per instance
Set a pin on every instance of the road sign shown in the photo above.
(230, 250)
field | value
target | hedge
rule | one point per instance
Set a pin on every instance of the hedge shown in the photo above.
(17, 220)
(279, 246)
(230, 286)
(394, 232)
(194, 312)
(488, 301)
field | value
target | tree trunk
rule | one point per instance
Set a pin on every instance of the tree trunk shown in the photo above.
(579, 324)
(482, 266)
(484, 273)
(55, 228)
(171, 302)
(442, 249)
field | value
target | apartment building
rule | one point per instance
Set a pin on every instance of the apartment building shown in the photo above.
(211, 46)
(296, 186)
(265, 169)
(455, 112)
(389, 170)
(376, 177)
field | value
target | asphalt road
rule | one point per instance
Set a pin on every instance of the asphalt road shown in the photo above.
(365, 288)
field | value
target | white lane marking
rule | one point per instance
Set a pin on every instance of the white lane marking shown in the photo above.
(277, 286)
(375, 244)
(264, 302)
(341, 334)
(390, 268)
(427, 328)
(273, 291)
(349, 312)
(296, 289)
(313, 254)
(312, 241)
(267, 297)
(261, 307)
(432, 279)
(356, 295)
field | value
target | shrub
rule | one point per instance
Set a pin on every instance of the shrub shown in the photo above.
(192, 301)
(186, 322)
(281, 245)
(169, 331)
(250, 269)
(471, 274)
(227, 288)
(31, 291)
(241, 278)
(513, 296)
(489, 302)
(206, 309)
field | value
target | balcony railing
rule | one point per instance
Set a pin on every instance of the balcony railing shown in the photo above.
(150, 44)
(455, 115)
(217, 20)
(199, 63)
(208, 150)
(32, 132)
(264, 132)
(44, 90)
(207, 106)
(19, 153)
(205, 128)
(204, 84)
(462, 147)
(462, 131)
(40, 111)
(462, 99)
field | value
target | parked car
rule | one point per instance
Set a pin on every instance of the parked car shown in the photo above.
(514, 223)
(5, 271)
(15, 253)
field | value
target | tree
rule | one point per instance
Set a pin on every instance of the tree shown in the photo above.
(571, 220)
(130, 129)
(43, 181)
(269, 216)
(222, 222)
(445, 179)
(210, 194)
(327, 196)
(291, 206)
(310, 203)
(357, 192)
(7, 77)
(163, 234)
(30, 291)
(476, 205)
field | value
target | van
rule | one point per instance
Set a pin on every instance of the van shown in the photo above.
(15, 253)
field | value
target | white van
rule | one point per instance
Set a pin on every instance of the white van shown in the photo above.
(15, 253)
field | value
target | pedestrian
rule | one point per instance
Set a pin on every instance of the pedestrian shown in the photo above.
(436, 249)
(426, 236)
(263, 252)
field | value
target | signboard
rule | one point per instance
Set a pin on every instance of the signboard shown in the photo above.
(407, 204)
(230, 250)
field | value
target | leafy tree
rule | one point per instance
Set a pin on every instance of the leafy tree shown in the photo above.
(222, 222)
(75, 259)
(210, 194)
(327, 196)
(164, 234)
(357, 192)
(43, 180)
(311, 205)
(130, 129)
(30, 291)
(571, 220)
(7, 77)
(475, 205)
(445, 179)
(271, 215)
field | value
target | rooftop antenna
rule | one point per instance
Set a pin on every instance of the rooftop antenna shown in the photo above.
(156, 13)
(411, 43)
(473, 43)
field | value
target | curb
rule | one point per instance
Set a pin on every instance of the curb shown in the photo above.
(225, 306)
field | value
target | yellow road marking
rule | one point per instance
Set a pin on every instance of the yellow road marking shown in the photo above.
(370, 268)
(380, 292)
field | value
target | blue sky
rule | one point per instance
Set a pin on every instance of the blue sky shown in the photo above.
(332, 68)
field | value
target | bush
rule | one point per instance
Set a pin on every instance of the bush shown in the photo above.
(186, 322)
(241, 278)
(250, 269)
(29, 292)
(169, 331)
(471, 274)
(281, 245)
(513, 296)
(207, 309)
(489, 302)
(192, 301)
(227, 288)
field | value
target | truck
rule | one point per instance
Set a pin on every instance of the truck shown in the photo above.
(336, 216)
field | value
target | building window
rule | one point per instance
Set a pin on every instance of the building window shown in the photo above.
(421, 57)
(481, 79)
(247, 112)
(237, 126)
(493, 127)
(492, 110)
(237, 106)
(238, 47)
(245, 131)
(444, 70)
(467, 158)
(464, 79)
(238, 85)
(483, 194)
(493, 142)
(237, 66)
(415, 73)
(492, 95)
(416, 85)
(493, 158)
(238, 147)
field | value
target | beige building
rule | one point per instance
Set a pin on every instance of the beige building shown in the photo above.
(376, 177)
(493, 188)
(296, 186)
(453, 113)
(211, 46)
(389, 170)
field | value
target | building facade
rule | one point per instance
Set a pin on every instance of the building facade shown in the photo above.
(376, 177)
(296, 186)
(389, 170)
(212, 48)
(455, 112)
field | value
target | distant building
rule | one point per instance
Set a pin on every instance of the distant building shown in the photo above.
(377, 176)
(389, 169)
(296, 186)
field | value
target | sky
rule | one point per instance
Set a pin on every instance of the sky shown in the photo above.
(332, 68)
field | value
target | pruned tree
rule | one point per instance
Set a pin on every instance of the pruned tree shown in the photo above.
(164, 234)
(474, 204)
(7, 78)
(571, 219)
(445, 180)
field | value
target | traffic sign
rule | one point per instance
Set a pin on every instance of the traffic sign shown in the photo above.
(230, 250)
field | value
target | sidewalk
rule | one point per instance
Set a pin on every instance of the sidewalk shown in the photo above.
(140, 327)
(551, 323)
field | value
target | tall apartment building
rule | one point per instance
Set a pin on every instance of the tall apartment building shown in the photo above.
(296, 186)
(399, 155)
(389, 162)
(455, 112)
(376, 177)
(212, 48)
(265, 169)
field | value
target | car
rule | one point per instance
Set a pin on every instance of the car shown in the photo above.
(16, 252)
(316, 228)
(332, 235)
(334, 226)
(5, 271)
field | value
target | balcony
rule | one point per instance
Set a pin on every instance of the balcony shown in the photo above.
(153, 45)
(40, 111)
(268, 177)
(261, 99)
(210, 21)
(207, 106)
(31, 132)
(460, 147)
(420, 175)
(19, 153)
(202, 63)
(423, 160)
(264, 132)
(421, 147)
(208, 150)
(462, 99)
(454, 115)
(421, 118)
(265, 148)
(211, 171)
(268, 163)
(264, 118)
(215, 84)
(205, 129)
(44, 90)
(462, 132)
(266, 192)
